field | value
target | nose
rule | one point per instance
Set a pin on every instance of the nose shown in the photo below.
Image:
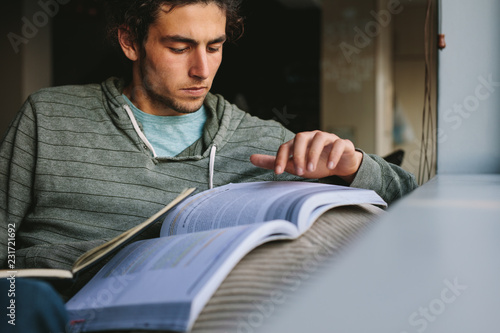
(199, 64)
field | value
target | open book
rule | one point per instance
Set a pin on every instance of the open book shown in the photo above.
(97, 254)
(164, 283)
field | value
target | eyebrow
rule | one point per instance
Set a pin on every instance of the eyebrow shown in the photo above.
(187, 40)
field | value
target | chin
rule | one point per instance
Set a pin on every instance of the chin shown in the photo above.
(188, 107)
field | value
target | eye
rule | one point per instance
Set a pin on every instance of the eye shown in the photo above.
(214, 49)
(178, 51)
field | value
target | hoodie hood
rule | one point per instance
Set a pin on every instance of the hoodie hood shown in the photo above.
(222, 121)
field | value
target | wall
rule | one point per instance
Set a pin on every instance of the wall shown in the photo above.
(348, 72)
(384, 78)
(10, 65)
(359, 71)
(409, 82)
(469, 88)
(26, 66)
(37, 53)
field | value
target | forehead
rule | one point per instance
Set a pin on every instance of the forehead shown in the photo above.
(197, 21)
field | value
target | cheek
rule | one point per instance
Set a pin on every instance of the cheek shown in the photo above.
(163, 68)
(215, 63)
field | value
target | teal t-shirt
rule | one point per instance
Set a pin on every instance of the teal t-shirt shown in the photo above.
(170, 135)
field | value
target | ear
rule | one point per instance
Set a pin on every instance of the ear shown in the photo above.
(129, 47)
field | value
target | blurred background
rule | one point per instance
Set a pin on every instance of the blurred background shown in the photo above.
(352, 67)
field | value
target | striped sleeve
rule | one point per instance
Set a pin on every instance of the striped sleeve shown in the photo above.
(17, 164)
(388, 180)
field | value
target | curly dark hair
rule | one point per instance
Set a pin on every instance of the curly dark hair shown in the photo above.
(138, 15)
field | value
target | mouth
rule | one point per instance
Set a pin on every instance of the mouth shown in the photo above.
(195, 91)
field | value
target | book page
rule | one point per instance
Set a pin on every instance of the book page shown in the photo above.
(95, 254)
(308, 204)
(164, 283)
(246, 203)
(42, 273)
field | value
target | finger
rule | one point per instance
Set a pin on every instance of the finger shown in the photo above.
(263, 161)
(300, 147)
(320, 144)
(336, 153)
(282, 157)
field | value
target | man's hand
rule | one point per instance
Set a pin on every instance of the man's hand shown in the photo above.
(313, 155)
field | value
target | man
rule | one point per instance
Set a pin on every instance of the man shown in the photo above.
(81, 164)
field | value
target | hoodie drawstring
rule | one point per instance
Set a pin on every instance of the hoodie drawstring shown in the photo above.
(211, 166)
(138, 129)
(213, 150)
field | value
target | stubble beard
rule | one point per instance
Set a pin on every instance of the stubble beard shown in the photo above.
(162, 101)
